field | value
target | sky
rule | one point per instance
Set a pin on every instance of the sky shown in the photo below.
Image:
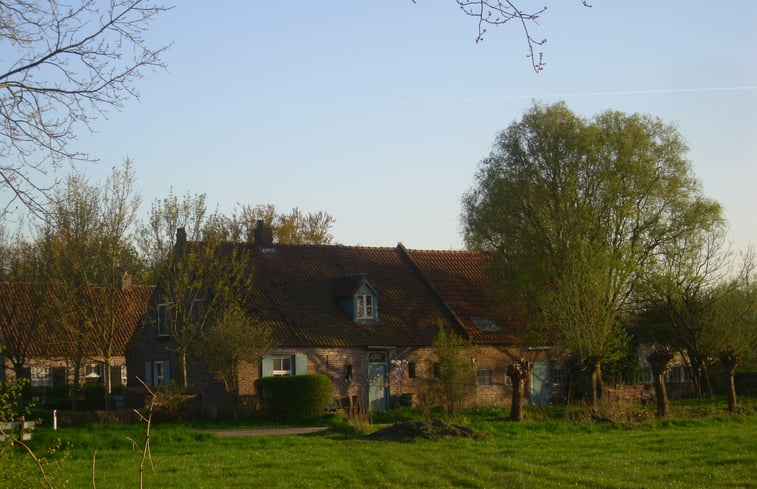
(380, 112)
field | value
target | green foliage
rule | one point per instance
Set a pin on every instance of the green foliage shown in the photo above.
(680, 453)
(452, 371)
(233, 339)
(13, 404)
(576, 211)
(295, 397)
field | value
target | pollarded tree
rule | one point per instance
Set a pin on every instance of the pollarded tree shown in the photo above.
(680, 294)
(733, 325)
(574, 209)
(64, 64)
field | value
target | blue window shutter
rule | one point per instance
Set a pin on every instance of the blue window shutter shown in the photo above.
(300, 365)
(166, 372)
(148, 373)
(266, 366)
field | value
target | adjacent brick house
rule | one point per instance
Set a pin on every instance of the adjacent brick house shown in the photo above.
(348, 312)
(33, 346)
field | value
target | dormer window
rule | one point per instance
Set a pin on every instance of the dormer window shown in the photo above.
(357, 297)
(364, 307)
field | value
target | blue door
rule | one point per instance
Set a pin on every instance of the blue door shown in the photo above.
(377, 384)
(540, 391)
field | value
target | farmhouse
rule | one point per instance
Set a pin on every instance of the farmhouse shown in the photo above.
(356, 314)
(45, 339)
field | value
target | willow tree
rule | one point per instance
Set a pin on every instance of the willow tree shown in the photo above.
(574, 208)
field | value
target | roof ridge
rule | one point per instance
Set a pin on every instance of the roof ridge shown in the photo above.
(428, 283)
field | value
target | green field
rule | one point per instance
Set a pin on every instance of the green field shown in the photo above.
(716, 451)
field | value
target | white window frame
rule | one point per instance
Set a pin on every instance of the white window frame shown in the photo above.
(41, 376)
(282, 366)
(160, 374)
(364, 306)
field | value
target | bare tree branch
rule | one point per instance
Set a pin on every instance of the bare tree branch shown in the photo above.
(73, 63)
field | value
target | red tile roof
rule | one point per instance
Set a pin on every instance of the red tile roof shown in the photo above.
(295, 293)
(20, 310)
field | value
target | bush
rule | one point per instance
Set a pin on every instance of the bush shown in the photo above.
(300, 396)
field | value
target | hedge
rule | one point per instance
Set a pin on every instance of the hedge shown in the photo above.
(299, 396)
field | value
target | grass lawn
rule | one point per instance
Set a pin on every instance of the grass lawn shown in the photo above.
(716, 451)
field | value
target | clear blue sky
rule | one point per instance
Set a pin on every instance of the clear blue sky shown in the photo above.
(379, 112)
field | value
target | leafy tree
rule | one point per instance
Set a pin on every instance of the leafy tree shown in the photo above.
(733, 324)
(452, 369)
(680, 294)
(198, 274)
(234, 338)
(293, 228)
(88, 247)
(65, 65)
(574, 210)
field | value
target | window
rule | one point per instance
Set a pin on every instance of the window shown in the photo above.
(41, 376)
(348, 373)
(282, 366)
(93, 373)
(508, 381)
(160, 373)
(411, 370)
(483, 376)
(364, 306)
(646, 375)
(688, 374)
(162, 321)
(560, 375)
(437, 370)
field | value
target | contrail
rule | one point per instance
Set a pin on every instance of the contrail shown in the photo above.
(616, 93)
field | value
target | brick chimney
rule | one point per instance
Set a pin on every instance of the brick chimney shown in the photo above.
(125, 281)
(263, 235)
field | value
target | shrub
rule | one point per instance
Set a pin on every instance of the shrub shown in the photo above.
(300, 396)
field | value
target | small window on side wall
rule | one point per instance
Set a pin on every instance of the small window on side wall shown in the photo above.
(411, 370)
(163, 329)
(483, 377)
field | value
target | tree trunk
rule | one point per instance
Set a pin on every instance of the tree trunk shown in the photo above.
(596, 382)
(75, 387)
(108, 384)
(518, 373)
(183, 360)
(659, 360)
(730, 360)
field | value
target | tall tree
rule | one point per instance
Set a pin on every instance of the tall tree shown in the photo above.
(88, 243)
(680, 293)
(65, 64)
(574, 208)
(198, 272)
(733, 325)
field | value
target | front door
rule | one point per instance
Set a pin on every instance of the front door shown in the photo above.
(377, 381)
(540, 384)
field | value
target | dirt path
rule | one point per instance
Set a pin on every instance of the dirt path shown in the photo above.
(266, 431)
